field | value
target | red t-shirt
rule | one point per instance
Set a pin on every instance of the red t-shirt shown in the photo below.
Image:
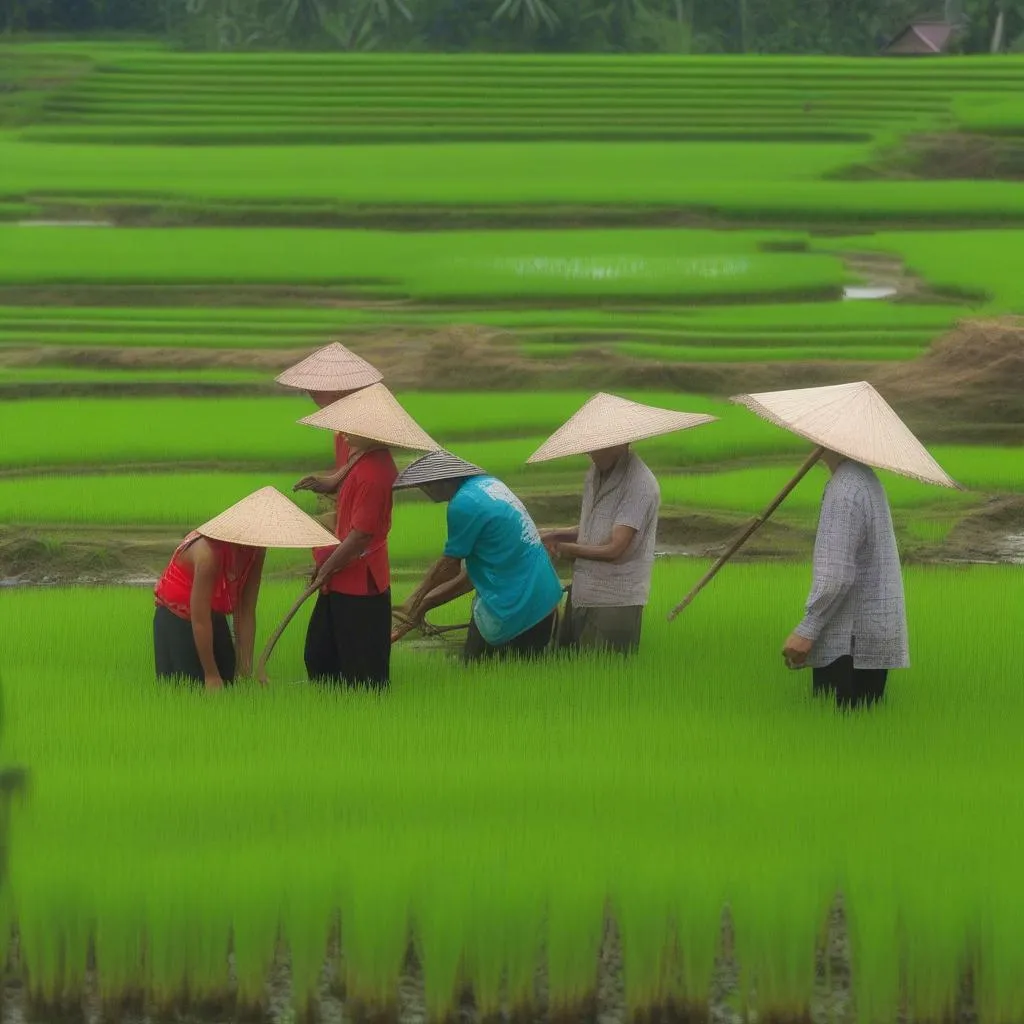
(364, 504)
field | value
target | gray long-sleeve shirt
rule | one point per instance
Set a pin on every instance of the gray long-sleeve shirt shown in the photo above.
(856, 602)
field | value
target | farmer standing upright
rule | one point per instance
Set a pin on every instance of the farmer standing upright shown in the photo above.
(854, 628)
(517, 588)
(329, 374)
(215, 573)
(349, 635)
(612, 547)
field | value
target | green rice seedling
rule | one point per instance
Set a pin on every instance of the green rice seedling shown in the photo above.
(993, 114)
(16, 211)
(184, 500)
(750, 490)
(821, 322)
(930, 530)
(460, 173)
(483, 263)
(181, 500)
(977, 262)
(700, 773)
(104, 432)
(56, 374)
(784, 354)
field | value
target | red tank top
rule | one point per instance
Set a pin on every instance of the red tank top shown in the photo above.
(234, 563)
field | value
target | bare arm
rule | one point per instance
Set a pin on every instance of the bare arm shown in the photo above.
(322, 483)
(445, 572)
(204, 564)
(563, 535)
(622, 537)
(347, 551)
(447, 592)
(245, 616)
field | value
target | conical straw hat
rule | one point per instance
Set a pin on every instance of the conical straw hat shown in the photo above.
(607, 420)
(267, 519)
(853, 420)
(373, 413)
(435, 466)
(331, 368)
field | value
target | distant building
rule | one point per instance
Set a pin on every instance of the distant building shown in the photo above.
(922, 39)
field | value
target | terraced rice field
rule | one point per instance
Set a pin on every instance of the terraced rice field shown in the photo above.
(503, 236)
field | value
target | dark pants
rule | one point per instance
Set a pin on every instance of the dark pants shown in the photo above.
(349, 639)
(531, 643)
(851, 687)
(175, 647)
(606, 629)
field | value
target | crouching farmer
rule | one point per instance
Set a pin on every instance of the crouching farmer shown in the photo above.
(215, 573)
(494, 548)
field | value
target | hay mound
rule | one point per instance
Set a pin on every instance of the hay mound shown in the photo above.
(972, 376)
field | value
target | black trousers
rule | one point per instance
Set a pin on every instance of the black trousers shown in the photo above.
(348, 640)
(851, 687)
(531, 643)
(175, 648)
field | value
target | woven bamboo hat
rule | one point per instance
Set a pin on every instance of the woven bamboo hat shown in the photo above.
(267, 519)
(607, 420)
(434, 467)
(853, 420)
(373, 413)
(331, 368)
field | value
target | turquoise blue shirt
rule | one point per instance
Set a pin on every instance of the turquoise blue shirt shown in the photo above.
(515, 582)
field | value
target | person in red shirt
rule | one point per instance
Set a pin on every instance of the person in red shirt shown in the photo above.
(205, 582)
(214, 573)
(348, 640)
(328, 375)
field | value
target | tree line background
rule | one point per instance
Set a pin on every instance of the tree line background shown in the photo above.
(851, 27)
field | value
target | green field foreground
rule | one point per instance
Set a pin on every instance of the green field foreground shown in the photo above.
(475, 801)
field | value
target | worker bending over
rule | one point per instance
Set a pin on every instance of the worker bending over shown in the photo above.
(214, 573)
(494, 548)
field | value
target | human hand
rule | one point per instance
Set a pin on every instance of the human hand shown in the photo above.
(319, 579)
(796, 649)
(315, 483)
(567, 552)
(401, 630)
(214, 683)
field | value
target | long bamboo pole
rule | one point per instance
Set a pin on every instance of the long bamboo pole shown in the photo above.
(261, 665)
(748, 531)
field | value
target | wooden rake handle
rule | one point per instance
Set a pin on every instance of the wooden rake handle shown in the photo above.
(747, 532)
(261, 665)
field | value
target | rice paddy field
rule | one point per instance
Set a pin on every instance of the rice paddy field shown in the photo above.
(684, 836)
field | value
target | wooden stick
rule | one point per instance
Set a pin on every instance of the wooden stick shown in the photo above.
(748, 531)
(426, 628)
(261, 665)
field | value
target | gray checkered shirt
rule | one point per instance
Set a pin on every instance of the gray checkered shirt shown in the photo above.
(628, 495)
(856, 600)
